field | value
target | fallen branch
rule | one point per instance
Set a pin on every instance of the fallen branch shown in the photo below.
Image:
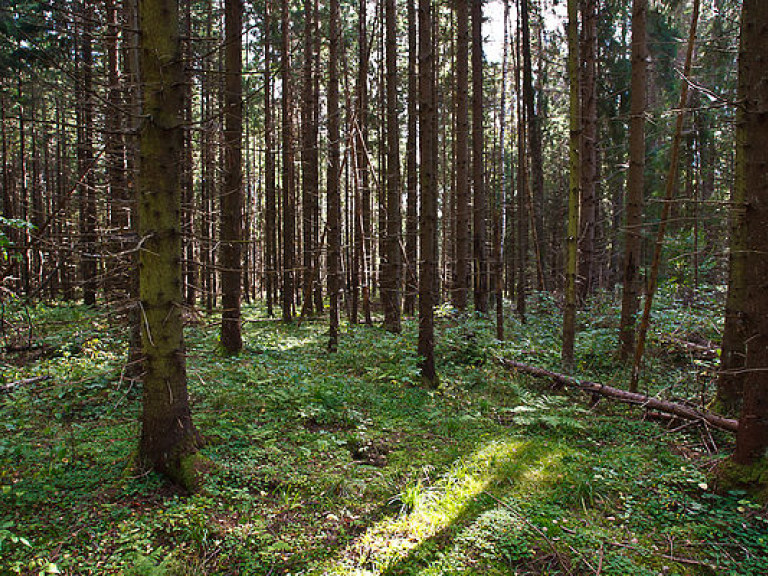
(11, 385)
(708, 350)
(627, 397)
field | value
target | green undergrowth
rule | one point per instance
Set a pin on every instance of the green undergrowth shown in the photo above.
(342, 464)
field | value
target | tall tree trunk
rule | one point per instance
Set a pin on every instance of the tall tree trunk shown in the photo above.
(309, 162)
(88, 263)
(588, 211)
(630, 301)
(574, 187)
(463, 210)
(231, 222)
(411, 178)
(390, 280)
(668, 193)
(478, 163)
(270, 212)
(752, 147)
(428, 177)
(334, 177)
(536, 184)
(168, 436)
(523, 184)
(289, 208)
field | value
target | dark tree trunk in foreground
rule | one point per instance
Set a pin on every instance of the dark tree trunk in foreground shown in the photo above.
(231, 222)
(463, 213)
(752, 438)
(334, 178)
(478, 163)
(630, 301)
(428, 216)
(168, 436)
(390, 279)
(270, 210)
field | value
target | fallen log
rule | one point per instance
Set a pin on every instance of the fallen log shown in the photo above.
(27, 381)
(627, 397)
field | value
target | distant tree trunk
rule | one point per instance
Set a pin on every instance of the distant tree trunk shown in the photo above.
(463, 210)
(523, 184)
(334, 176)
(752, 156)
(411, 179)
(88, 263)
(574, 188)
(188, 174)
(231, 230)
(478, 163)
(289, 208)
(428, 216)
(364, 246)
(588, 211)
(270, 211)
(668, 194)
(630, 301)
(168, 436)
(502, 196)
(390, 280)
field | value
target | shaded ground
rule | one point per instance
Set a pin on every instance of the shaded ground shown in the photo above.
(343, 465)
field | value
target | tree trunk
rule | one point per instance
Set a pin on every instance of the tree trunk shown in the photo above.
(411, 179)
(428, 176)
(334, 176)
(574, 187)
(289, 208)
(630, 301)
(463, 210)
(478, 163)
(390, 280)
(231, 230)
(168, 436)
(270, 212)
(752, 155)
(670, 188)
(588, 211)
(309, 160)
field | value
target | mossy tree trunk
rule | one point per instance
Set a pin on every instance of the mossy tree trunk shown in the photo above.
(168, 436)
(574, 189)
(752, 438)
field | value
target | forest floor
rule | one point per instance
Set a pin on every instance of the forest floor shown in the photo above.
(343, 464)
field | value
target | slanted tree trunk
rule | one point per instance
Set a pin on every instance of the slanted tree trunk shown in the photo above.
(168, 436)
(334, 176)
(574, 187)
(428, 177)
(478, 163)
(390, 279)
(668, 193)
(463, 210)
(630, 301)
(752, 151)
(231, 222)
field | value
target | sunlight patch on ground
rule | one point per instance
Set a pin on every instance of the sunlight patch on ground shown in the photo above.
(434, 513)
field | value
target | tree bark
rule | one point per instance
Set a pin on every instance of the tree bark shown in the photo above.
(168, 436)
(289, 208)
(334, 176)
(390, 280)
(574, 187)
(752, 151)
(428, 177)
(463, 210)
(411, 179)
(478, 163)
(630, 301)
